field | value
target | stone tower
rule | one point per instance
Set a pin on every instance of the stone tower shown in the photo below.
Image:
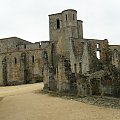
(62, 27)
(65, 25)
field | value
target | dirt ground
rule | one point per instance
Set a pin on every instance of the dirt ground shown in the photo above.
(23, 103)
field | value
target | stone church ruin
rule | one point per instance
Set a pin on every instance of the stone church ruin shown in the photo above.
(66, 63)
(73, 63)
(20, 60)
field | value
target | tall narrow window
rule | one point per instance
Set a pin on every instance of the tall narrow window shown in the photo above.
(75, 68)
(98, 54)
(66, 17)
(33, 59)
(73, 17)
(58, 23)
(24, 46)
(15, 60)
(80, 67)
(98, 45)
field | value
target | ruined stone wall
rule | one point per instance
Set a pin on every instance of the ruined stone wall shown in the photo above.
(57, 68)
(112, 47)
(9, 44)
(67, 62)
(63, 83)
(85, 59)
(97, 60)
(49, 47)
(101, 74)
(50, 65)
(115, 55)
(88, 66)
(101, 46)
(76, 51)
(23, 62)
(83, 52)
(34, 66)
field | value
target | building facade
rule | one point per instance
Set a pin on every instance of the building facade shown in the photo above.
(73, 63)
(68, 62)
(20, 61)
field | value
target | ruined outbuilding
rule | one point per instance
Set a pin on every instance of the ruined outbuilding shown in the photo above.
(75, 64)
(66, 63)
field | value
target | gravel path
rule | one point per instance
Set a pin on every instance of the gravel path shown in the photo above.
(23, 103)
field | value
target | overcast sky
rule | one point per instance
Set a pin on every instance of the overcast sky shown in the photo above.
(28, 19)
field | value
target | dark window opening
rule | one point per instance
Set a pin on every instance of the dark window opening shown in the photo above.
(33, 59)
(82, 43)
(15, 60)
(75, 68)
(58, 23)
(73, 17)
(25, 46)
(80, 67)
(66, 17)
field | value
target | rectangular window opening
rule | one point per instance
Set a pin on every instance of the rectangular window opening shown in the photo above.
(73, 17)
(98, 45)
(75, 68)
(33, 59)
(66, 17)
(24, 46)
(58, 24)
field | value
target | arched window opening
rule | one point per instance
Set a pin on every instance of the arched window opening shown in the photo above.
(58, 24)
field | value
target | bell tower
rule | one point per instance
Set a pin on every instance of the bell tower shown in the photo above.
(65, 25)
(62, 27)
